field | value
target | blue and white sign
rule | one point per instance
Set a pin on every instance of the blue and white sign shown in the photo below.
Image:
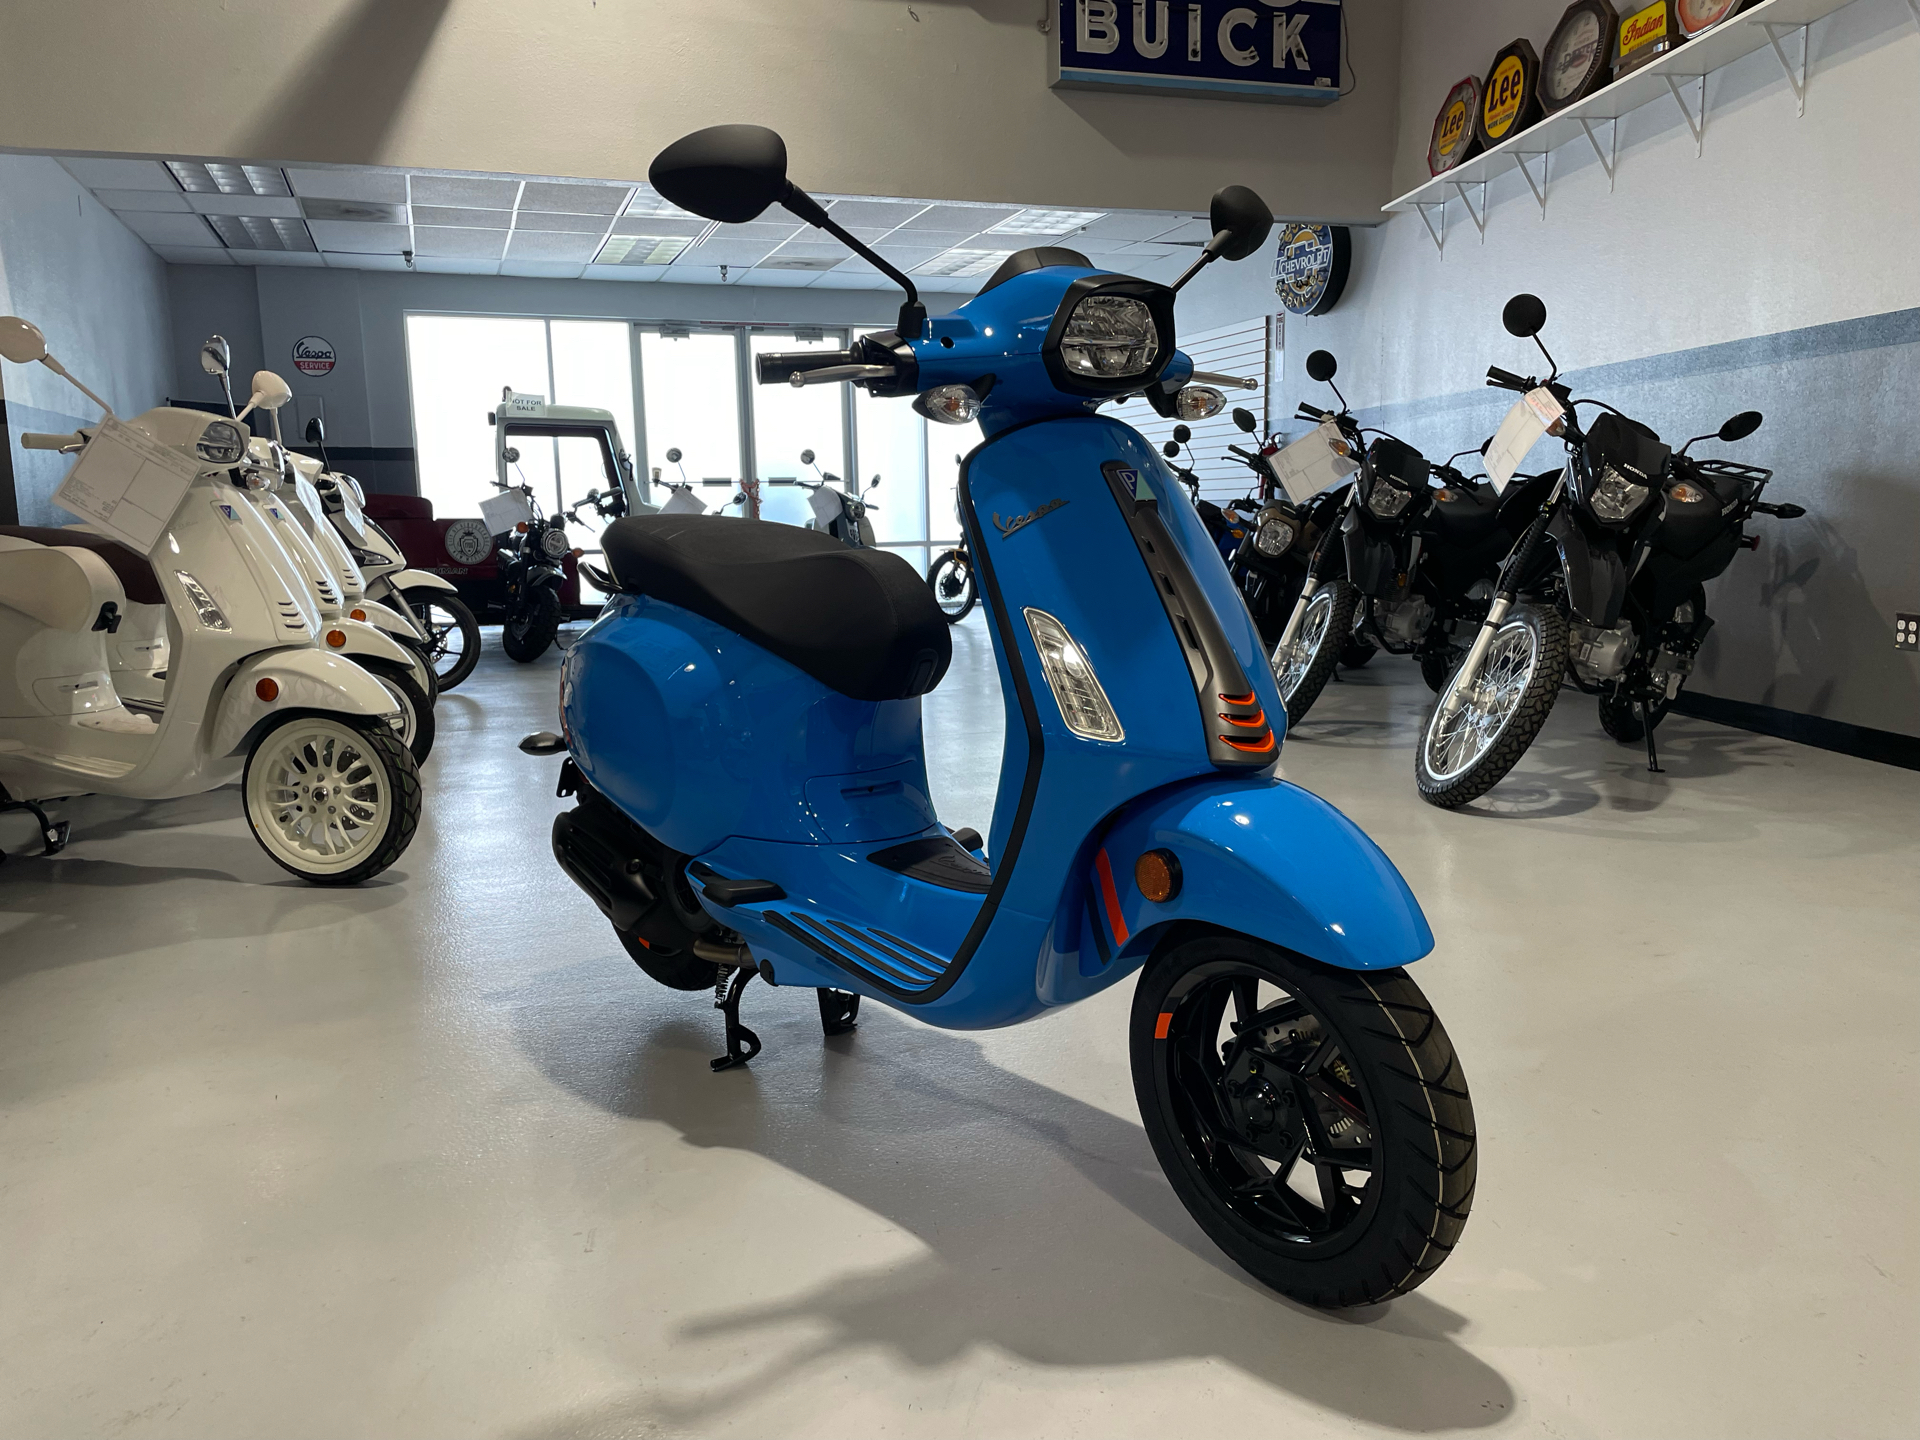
(1277, 50)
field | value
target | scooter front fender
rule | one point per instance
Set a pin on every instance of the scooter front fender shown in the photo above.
(392, 622)
(302, 680)
(421, 580)
(368, 641)
(1266, 859)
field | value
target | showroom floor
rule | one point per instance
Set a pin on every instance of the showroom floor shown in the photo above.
(432, 1158)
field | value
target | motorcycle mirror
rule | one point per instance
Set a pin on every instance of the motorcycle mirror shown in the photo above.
(1524, 316)
(1241, 222)
(1182, 434)
(316, 431)
(1244, 419)
(1740, 426)
(510, 455)
(21, 340)
(729, 173)
(216, 355)
(806, 457)
(1170, 450)
(270, 392)
(873, 482)
(1322, 366)
(673, 456)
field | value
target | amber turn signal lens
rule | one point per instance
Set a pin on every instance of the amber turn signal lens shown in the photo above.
(267, 688)
(357, 614)
(521, 528)
(1157, 873)
(336, 638)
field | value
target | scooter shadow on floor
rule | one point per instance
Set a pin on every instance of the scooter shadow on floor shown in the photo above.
(1053, 1234)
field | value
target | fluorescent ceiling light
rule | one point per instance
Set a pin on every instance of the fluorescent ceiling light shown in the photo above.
(641, 249)
(1045, 222)
(962, 262)
(219, 178)
(645, 202)
(260, 232)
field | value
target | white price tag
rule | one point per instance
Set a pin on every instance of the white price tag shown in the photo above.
(127, 484)
(1533, 415)
(504, 511)
(1316, 461)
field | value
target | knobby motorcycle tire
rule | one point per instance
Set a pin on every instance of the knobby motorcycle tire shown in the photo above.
(1426, 1143)
(1332, 641)
(1536, 703)
(527, 633)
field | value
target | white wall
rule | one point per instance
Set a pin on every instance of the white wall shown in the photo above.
(939, 98)
(1777, 270)
(99, 295)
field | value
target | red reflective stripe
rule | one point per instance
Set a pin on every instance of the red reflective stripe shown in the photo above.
(1246, 699)
(1259, 718)
(1252, 747)
(1109, 897)
(1162, 1025)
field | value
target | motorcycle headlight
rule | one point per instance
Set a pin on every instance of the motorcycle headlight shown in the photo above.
(1615, 497)
(1275, 536)
(221, 443)
(1110, 337)
(553, 544)
(1386, 499)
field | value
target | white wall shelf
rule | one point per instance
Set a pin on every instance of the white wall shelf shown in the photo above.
(1680, 73)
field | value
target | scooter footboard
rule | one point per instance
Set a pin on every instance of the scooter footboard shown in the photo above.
(1266, 859)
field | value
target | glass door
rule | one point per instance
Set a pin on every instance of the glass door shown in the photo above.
(691, 385)
(789, 421)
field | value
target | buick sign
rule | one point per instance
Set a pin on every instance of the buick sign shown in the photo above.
(1286, 50)
(313, 355)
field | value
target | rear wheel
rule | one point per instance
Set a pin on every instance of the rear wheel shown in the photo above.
(531, 626)
(1466, 750)
(1314, 1121)
(453, 635)
(675, 969)
(1435, 666)
(951, 580)
(1302, 669)
(333, 801)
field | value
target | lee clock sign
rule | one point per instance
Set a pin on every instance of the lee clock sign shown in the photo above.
(1276, 50)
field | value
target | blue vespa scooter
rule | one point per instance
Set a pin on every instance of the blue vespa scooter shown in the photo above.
(743, 734)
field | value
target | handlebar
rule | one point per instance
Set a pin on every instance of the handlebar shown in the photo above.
(1225, 382)
(1310, 412)
(40, 440)
(1507, 380)
(781, 367)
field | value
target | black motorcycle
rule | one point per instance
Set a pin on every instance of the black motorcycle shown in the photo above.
(1607, 584)
(531, 557)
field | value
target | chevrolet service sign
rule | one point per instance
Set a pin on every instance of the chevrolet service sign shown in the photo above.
(1275, 50)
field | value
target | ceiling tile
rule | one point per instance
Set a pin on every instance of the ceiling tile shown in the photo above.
(543, 269)
(966, 219)
(1177, 229)
(379, 185)
(873, 214)
(727, 252)
(377, 212)
(445, 265)
(467, 244)
(659, 225)
(353, 238)
(470, 219)
(278, 257)
(908, 256)
(465, 190)
(255, 232)
(280, 205)
(547, 245)
(653, 250)
(1131, 225)
(562, 198)
(120, 174)
(646, 202)
(571, 224)
(937, 239)
(143, 200)
(843, 280)
(780, 279)
(159, 229)
(772, 230)
(183, 255)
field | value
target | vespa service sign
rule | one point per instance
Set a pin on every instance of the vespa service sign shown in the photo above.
(313, 355)
(1274, 50)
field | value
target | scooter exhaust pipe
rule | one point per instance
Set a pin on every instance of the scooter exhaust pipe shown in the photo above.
(597, 858)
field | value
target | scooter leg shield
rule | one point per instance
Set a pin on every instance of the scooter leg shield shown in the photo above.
(1268, 860)
(302, 680)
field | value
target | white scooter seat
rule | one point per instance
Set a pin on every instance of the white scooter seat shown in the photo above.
(63, 586)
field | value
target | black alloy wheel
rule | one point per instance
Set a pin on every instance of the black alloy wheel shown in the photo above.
(453, 634)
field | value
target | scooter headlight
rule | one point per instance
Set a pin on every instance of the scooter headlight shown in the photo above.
(1076, 689)
(1615, 498)
(210, 614)
(1110, 337)
(221, 443)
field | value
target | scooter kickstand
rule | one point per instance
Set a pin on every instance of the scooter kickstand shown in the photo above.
(742, 1043)
(838, 1009)
(1653, 757)
(53, 833)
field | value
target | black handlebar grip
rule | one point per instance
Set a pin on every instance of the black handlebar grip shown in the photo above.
(1308, 412)
(779, 367)
(1505, 379)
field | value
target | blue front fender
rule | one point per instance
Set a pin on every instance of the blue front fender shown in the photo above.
(1269, 860)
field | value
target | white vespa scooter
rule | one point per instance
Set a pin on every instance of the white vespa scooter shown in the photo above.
(251, 691)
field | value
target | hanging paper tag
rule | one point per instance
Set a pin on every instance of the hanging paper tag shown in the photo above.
(1533, 415)
(127, 484)
(504, 511)
(1316, 461)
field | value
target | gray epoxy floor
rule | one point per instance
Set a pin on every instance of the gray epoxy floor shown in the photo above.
(433, 1158)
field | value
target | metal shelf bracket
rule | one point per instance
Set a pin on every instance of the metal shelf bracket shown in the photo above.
(1439, 235)
(1479, 217)
(1610, 157)
(1697, 127)
(1520, 158)
(1799, 82)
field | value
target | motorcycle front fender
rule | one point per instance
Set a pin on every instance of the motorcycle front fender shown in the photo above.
(303, 679)
(1267, 859)
(1370, 559)
(1596, 576)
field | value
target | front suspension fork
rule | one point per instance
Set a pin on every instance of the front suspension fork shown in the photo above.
(1519, 563)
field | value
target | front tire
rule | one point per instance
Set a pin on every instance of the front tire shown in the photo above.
(454, 634)
(332, 800)
(1465, 753)
(414, 724)
(952, 583)
(1314, 1121)
(1303, 671)
(530, 628)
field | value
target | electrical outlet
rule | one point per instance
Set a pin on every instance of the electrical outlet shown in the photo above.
(1906, 632)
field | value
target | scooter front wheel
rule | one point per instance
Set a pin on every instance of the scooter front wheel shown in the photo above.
(1314, 1121)
(413, 722)
(333, 801)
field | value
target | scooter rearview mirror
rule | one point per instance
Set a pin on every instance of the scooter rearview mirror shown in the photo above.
(1524, 316)
(729, 173)
(316, 431)
(1740, 426)
(216, 355)
(1182, 434)
(806, 457)
(673, 456)
(270, 392)
(1244, 419)
(21, 340)
(1322, 366)
(510, 455)
(1241, 222)
(1170, 450)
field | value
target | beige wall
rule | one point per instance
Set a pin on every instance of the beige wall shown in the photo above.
(943, 99)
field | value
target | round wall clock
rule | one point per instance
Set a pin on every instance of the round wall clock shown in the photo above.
(1698, 15)
(1579, 57)
(1455, 135)
(1310, 269)
(1509, 98)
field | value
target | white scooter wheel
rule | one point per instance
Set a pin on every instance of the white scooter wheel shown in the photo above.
(414, 722)
(332, 800)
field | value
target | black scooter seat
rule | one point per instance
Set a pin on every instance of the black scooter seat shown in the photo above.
(860, 621)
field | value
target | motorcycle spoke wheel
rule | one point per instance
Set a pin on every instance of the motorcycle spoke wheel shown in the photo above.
(329, 800)
(1477, 731)
(1301, 670)
(1456, 741)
